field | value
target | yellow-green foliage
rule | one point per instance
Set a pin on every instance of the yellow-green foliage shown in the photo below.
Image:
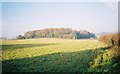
(109, 61)
(112, 60)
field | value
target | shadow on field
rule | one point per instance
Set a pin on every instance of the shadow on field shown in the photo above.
(79, 61)
(20, 46)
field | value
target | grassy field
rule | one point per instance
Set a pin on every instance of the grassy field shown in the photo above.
(53, 55)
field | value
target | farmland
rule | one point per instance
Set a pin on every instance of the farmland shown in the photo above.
(54, 55)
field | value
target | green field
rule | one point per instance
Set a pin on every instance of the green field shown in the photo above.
(54, 55)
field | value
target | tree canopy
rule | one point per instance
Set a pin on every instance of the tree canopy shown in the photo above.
(66, 33)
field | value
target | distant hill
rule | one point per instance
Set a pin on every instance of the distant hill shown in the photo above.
(66, 33)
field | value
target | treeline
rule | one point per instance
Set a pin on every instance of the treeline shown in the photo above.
(66, 33)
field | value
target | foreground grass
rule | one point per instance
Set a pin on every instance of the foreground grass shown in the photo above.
(52, 55)
(56, 62)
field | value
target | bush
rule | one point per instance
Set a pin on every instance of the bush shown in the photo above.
(111, 39)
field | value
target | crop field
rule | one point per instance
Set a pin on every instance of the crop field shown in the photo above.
(50, 55)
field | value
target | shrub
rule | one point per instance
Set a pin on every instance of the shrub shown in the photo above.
(114, 40)
(111, 39)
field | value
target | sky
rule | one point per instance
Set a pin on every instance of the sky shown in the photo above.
(0, 19)
(96, 17)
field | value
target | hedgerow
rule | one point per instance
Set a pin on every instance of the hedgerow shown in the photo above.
(111, 39)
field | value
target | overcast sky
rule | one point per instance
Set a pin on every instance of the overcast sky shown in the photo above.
(96, 17)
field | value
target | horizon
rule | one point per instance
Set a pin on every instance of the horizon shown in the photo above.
(95, 33)
(96, 17)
